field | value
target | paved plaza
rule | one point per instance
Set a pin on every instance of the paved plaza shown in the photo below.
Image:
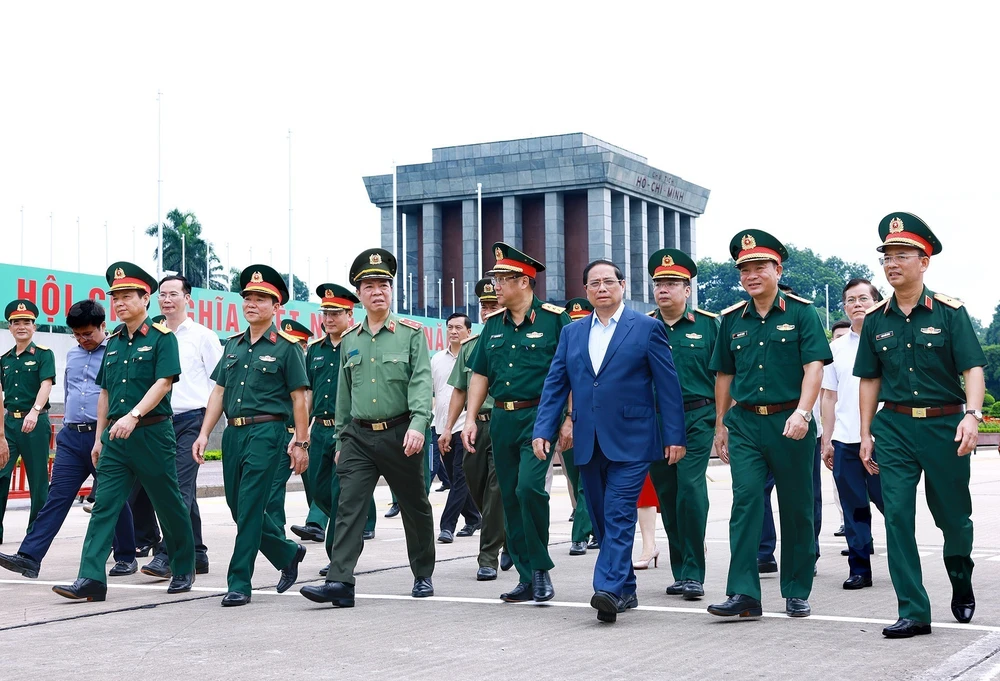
(465, 632)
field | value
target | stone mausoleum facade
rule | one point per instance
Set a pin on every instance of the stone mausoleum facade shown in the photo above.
(564, 199)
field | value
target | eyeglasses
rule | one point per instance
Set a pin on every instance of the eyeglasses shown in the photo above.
(661, 284)
(901, 259)
(606, 283)
(333, 313)
(864, 300)
(503, 281)
(85, 336)
(169, 295)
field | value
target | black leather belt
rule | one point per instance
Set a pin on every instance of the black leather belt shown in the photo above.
(383, 425)
(328, 423)
(81, 427)
(697, 404)
(514, 406)
(22, 414)
(241, 421)
(925, 412)
(145, 420)
(484, 416)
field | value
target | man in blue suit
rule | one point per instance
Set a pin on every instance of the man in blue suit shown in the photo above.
(612, 362)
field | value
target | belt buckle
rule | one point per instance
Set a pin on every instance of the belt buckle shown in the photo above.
(919, 412)
(240, 421)
(508, 406)
(761, 410)
(18, 414)
(380, 425)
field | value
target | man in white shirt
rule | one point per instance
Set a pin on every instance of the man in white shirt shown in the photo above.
(842, 436)
(459, 499)
(200, 352)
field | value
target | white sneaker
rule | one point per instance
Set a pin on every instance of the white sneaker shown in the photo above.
(88, 506)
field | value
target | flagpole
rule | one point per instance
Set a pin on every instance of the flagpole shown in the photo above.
(479, 225)
(395, 243)
(291, 287)
(159, 186)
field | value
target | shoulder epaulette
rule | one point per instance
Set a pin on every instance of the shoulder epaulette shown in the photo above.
(288, 337)
(415, 325)
(162, 328)
(651, 313)
(706, 313)
(549, 307)
(948, 300)
(41, 347)
(470, 338)
(496, 312)
(356, 327)
(236, 335)
(117, 330)
(317, 340)
(733, 308)
(877, 305)
(799, 298)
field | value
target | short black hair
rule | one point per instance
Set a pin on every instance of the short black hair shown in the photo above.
(841, 324)
(460, 315)
(601, 261)
(185, 284)
(857, 281)
(85, 313)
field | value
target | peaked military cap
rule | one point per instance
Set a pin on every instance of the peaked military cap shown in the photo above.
(297, 329)
(485, 290)
(159, 319)
(756, 244)
(671, 263)
(21, 309)
(336, 297)
(375, 263)
(906, 229)
(578, 308)
(126, 276)
(263, 279)
(509, 259)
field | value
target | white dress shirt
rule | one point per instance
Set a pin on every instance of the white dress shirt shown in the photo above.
(839, 376)
(200, 352)
(441, 365)
(600, 336)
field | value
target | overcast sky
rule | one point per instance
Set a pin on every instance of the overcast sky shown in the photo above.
(808, 122)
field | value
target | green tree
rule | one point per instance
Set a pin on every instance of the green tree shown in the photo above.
(992, 335)
(301, 290)
(992, 368)
(979, 329)
(196, 251)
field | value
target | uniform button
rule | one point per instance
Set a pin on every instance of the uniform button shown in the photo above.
(928, 345)
(508, 382)
(121, 400)
(241, 383)
(760, 366)
(325, 396)
(762, 342)
(510, 365)
(512, 347)
(244, 366)
(884, 348)
(373, 400)
(761, 389)
(130, 343)
(373, 380)
(250, 350)
(915, 392)
(907, 320)
(239, 400)
(373, 340)
(123, 380)
(737, 347)
(908, 345)
(125, 362)
(911, 368)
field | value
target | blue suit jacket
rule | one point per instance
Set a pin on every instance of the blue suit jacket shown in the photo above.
(615, 404)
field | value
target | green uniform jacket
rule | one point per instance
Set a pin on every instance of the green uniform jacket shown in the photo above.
(692, 340)
(21, 375)
(132, 365)
(384, 375)
(920, 357)
(260, 378)
(323, 368)
(766, 355)
(461, 374)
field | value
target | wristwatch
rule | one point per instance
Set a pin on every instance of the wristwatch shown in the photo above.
(303, 445)
(976, 414)
(36, 408)
(805, 414)
(135, 414)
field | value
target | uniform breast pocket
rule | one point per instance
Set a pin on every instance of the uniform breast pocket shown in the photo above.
(353, 367)
(535, 355)
(141, 367)
(264, 373)
(740, 347)
(888, 352)
(689, 349)
(783, 346)
(932, 349)
(113, 370)
(395, 366)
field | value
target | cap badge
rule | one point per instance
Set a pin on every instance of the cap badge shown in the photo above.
(21, 307)
(487, 288)
(119, 273)
(668, 261)
(577, 307)
(749, 242)
(288, 327)
(328, 293)
(895, 226)
(498, 253)
(256, 278)
(375, 259)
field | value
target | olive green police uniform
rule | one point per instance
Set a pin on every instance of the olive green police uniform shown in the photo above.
(682, 488)
(21, 376)
(766, 357)
(515, 360)
(919, 358)
(384, 390)
(577, 308)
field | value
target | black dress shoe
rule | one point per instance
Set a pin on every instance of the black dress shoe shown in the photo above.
(738, 605)
(855, 582)
(123, 568)
(393, 511)
(83, 589)
(235, 598)
(324, 570)
(905, 628)
(443, 488)
(963, 606)
(607, 605)
(840, 532)
(797, 607)
(506, 562)
(181, 583)
(519, 594)
(201, 566)
(309, 532)
(469, 529)
(572, 516)
(593, 544)
(766, 567)
(290, 572)
(20, 563)
(158, 567)
(368, 534)
(486, 574)
(693, 590)
(446, 537)
(628, 602)
(541, 586)
(845, 552)
(677, 588)
(577, 548)
(337, 594)
(422, 587)
(143, 551)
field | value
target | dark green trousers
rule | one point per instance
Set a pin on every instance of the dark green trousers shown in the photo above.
(251, 456)
(310, 481)
(755, 446)
(149, 456)
(683, 494)
(364, 456)
(481, 476)
(906, 448)
(326, 483)
(33, 449)
(522, 486)
(582, 527)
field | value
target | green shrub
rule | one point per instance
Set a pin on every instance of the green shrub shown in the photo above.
(988, 400)
(213, 455)
(990, 427)
(995, 410)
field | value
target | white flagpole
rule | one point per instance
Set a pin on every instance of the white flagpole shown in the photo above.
(395, 241)
(403, 262)
(479, 225)
(291, 279)
(159, 186)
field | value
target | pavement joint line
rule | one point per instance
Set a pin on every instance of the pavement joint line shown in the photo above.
(266, 591)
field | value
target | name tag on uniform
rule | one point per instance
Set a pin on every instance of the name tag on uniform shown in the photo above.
(785, 327)
(230, 356)
(534, 334)
(318, 359)
(267, 358)
(693, 336)
(496, 335)
(31, 363)
(353, 352)
(113, 352)
(930, 330)
(880, 336)
(145, 348)
(739, 334)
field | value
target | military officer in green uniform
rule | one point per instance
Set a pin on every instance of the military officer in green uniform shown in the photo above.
(510, 363)
(682, 488)
(260, 381)
(916, 347)
(383, 410)
(141, 364)
(580, 534)
(27, 373)
(769, 358)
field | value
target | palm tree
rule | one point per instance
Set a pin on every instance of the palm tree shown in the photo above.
(197, 253)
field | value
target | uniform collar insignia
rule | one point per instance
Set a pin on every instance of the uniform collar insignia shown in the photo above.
(31, 348)
(531, 318)
(928, 302)
(144, 329)
(780, 301)
(690, 317)
(273, 337)
(391, 326)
